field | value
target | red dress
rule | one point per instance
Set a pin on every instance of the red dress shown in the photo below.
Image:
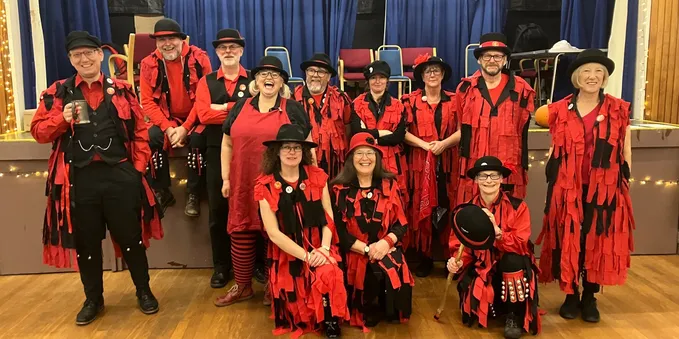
(602, 214)
(298, 289)
(498, 128)
(248, 129)
(432, 183)
(369, 215)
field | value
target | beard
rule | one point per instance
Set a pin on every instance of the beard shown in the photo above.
(229, 61)
(315, 87)
(171, 55)
(492, 73)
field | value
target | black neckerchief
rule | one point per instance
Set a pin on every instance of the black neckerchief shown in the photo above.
(312, 107)
(375, 108)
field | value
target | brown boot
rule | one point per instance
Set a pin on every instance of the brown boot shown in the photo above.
(235, 294)
(267, 295)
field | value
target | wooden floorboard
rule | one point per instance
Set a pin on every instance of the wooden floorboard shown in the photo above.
(44, 306)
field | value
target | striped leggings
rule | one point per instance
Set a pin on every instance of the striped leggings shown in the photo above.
(244, 253)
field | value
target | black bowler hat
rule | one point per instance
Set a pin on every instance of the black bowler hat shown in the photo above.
(77, 39)
(376, 67)
(591, 55)
(271, 63)
(320, 60)
(434, 60)
(167, 27)
(290, 133)
(473, 227)
(488, 163)
(229, 35)
(492, 42)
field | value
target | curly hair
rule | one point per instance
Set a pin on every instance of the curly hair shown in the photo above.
(271, 160)
(348, 172)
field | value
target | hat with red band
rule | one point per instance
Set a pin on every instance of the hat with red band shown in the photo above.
(473, 227)
(167, 28)
(492, 42)
(319, 60)
(228, 35)
(273, 64)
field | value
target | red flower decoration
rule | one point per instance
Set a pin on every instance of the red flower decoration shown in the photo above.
(420, 59)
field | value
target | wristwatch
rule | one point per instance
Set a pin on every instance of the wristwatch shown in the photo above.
(366, 250)
(327, 248)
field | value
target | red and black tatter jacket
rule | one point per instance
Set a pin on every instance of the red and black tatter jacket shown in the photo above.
(328, 119)
(604, 211)
(431, 124)
(479, 267)
(155, 88)
(49, 126)
(388, 115)
(369, 215)
(500, 130)
(214, 88)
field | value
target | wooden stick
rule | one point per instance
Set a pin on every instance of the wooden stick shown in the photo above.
(449, 282)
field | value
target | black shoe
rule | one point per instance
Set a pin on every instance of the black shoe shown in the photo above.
(512, 328)
(89, 311)
(425, 267)
(165, 198)
(571, 306)
(590, 313)
(260, 275)
(147, 302)
(332, 329)
(219, 279)
(192, 206)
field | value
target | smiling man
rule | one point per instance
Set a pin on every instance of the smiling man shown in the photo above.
(494, 109)
(169, 77)
(329, 111)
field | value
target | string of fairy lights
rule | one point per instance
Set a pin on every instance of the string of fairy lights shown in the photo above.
(533, 160)
(7, 110)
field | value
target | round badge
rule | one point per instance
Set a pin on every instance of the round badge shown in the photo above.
(288, 189)
(110, 90)
(600, 118)
(424, 98)
(570, 106)
(370, 195)
(109, 81)
(311, 101)
(277, 185)
(240, 94)
(302, 186)
(242, 87)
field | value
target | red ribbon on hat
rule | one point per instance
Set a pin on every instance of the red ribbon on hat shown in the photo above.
(493, 44)
(420, 59)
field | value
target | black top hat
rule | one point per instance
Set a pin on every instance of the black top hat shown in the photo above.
(167, 27)
(77, 39)
(228, 35)
(473, 227)
(376, 67)
(320, 60)
(488, 163)
(591, 55)
(290, 133)
(490, 42)
(434, 60)
(271, 63)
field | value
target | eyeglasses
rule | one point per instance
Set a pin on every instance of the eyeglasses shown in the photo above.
(266, 74)
(224, 48)
(88, 54)
(433, 71)
(291, 149)
(484, 177)
(367, 154)
(320, 72)
(496, 57)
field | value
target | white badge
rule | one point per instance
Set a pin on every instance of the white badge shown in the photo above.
(109, 81)
(288, 189)
(370, 195)
(240, 94)
(370, 70)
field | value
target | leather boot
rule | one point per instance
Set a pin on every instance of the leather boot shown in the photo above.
(219, 279)
(88, 313)
(332, 327)
(148, 303)
(512, 328)
(192, 208)
(165, 199)
(590, 313)
(425, 267)
(571, 306)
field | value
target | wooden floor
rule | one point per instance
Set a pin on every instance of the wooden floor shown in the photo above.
(44, 306)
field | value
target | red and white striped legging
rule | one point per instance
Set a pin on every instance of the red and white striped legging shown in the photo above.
(244, 253)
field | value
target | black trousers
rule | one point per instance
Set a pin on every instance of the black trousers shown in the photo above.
(587, 287)
(161, 162)
(108, 197)
(219, 211)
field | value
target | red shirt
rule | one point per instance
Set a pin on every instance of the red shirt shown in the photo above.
(588, 120)
(205, 113)
(317, 100)
(495, 92)
(180, 103)
(94, 93)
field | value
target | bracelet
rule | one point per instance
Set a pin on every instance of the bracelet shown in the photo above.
(388, 239)
(327, 248)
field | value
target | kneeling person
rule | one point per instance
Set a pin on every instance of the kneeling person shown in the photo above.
(306, 284)
(502, 277)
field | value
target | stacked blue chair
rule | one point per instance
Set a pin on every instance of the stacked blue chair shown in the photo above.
(282, 54)
(391, 54)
